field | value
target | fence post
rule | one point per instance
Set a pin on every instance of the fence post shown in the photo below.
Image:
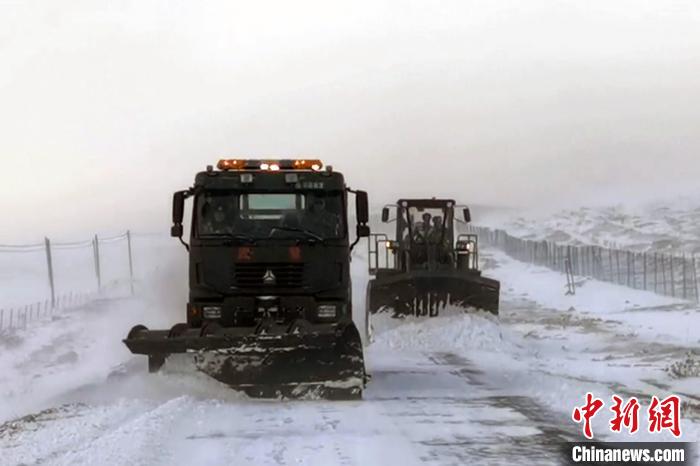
(131, 262)
(673, 279)
(96, 252)
(570, 283)
(685, 289)
(49, 263)
(663, 274)
(596, 261)
(695, 280)
(587, 253)
(617, 260)
(644, 258)
(656, 273)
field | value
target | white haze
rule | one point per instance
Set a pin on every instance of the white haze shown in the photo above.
(107, 107)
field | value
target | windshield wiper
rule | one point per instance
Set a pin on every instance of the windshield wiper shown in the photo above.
(231, 236)
(308, 233)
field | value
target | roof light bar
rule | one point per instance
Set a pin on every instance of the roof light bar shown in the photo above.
(269, 165)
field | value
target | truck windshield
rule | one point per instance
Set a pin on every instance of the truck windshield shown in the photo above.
(270, 215)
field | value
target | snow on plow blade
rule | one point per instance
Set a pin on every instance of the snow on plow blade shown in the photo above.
(425, 293)
(324, 364)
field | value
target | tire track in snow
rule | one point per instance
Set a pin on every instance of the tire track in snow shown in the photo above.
(542, 447)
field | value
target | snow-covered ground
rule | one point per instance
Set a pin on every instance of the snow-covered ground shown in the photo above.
(458, 389)
(669, 226)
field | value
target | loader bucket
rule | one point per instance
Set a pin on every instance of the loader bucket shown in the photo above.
(276, 365)
(421, 293)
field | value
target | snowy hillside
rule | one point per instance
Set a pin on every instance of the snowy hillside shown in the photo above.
(671, 227)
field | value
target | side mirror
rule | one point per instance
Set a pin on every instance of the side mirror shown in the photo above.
(178, 213)
(178, 206)
(176, 230)
(385, 214)
(362, 208)
(362, 231)
(467, 215)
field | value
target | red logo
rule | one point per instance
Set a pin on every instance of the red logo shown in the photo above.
(627, 415)
(586, 412)
(665, 414)
(295, 253)
(245, 254)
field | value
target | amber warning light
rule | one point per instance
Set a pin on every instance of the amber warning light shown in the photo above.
(270, 165)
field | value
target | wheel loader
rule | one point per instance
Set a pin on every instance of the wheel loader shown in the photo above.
(424, 268)
(269, 311)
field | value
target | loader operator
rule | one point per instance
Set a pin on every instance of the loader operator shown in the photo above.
(422, 229)
(421, 234)
(437, 240)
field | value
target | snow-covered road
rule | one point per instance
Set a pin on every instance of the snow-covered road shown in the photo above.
(421, 408)
(459, 389)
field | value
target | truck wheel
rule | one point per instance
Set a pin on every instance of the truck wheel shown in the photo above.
(178, 330)
(136, 331)
(210, 328)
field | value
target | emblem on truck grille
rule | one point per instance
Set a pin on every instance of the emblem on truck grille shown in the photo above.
(269, 278)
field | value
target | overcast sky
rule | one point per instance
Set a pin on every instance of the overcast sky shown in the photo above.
(108, 107)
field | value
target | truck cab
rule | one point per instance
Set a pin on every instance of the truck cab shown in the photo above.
(269, 310)
(269, 242)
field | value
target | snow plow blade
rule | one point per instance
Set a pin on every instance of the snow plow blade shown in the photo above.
(425, 293)
(325, 362)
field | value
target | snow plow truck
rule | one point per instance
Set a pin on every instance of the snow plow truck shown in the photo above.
(426, 266)
(269, 311)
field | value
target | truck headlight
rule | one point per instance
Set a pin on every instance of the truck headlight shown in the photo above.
(469, 246)
(391, 245)
(211, 312)
(327, 311)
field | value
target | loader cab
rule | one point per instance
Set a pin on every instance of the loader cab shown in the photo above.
(425, 237)
(428, 264)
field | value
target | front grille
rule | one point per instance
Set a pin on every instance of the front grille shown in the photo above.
(253, 275)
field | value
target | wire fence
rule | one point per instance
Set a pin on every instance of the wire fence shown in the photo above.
(665, 274)
(18, 316)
